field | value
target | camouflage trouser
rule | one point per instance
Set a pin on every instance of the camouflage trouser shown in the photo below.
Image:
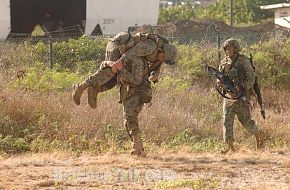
(243, 112)
(132, 106)
(102, 76)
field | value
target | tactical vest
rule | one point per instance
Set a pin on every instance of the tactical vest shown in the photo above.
(237, 74)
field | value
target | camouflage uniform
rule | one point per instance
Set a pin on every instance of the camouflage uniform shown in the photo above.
(104, 74)
(240, 70)
(104, 78)
(139, 59)
(138, 88)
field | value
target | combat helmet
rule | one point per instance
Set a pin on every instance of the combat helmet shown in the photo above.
(123, 38)
(233, 43)
(170, 53)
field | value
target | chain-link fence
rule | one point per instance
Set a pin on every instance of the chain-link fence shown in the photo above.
(91, 48)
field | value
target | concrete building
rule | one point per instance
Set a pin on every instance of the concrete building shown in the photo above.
(282, 13)
(165, 3)
(86, 16)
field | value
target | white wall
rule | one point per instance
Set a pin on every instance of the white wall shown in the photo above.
(4, 18)
(114, 16)
(282, 17)
(282, 12)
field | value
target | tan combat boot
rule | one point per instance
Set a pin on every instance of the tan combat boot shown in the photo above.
(92, 96)
(231, 147)
(138, 149)
(78, 90)
(259, 139)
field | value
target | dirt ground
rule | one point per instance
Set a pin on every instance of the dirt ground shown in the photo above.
(243, 170)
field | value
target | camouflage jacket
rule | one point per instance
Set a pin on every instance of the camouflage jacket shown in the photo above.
(241, 71)
(136, 64)
(133, 76)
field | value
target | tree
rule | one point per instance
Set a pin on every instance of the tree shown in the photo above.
(245, 11)
(174, 13)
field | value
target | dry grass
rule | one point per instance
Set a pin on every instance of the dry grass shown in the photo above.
(198, 111)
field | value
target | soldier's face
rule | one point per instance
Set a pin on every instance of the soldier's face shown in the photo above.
(229, 50)
(161, 56)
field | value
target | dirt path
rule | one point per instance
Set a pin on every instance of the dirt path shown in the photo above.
(250, 170)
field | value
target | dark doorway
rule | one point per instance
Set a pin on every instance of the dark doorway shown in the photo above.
(54, 16)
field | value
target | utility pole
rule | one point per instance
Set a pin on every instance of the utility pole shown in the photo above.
(232, 15)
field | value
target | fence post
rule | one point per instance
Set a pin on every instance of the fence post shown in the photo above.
(50, 54)
(219, 46)
(218, 42)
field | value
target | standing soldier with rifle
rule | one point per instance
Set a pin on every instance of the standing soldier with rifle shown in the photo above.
(239, 69)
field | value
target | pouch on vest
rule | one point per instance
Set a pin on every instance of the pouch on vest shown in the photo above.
(145, 92)
(124, 90)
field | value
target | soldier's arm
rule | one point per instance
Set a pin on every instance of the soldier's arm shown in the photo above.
(221, 69)
(222, 65)
(249, 73)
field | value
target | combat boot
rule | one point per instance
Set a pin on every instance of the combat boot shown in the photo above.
(259, 139)
(231, 147)
(78, 91)
(92, 96)
(138, 149)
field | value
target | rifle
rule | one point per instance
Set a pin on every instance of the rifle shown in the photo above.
(258, 90)
(228, 84)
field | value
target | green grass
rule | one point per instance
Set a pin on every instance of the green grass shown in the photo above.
(191, 183)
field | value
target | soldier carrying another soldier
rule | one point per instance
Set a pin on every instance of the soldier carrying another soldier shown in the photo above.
(133, 71)
(240, 70)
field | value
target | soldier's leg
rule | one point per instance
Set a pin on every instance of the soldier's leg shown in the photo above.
(132, 107)
(245, 118)
(228, 124)
(93, 83)
(109, 85)
(101, 77)
(78, 91)
(97, 80)
(93, 91)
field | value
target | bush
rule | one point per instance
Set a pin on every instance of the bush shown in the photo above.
(272, 63)
(11, 145)
(42, 79)
(68, 54)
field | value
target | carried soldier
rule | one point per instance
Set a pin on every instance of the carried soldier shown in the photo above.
(134, 62)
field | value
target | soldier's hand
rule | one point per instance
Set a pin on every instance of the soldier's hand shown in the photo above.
(235, 93)
(232, 95)
(219, 83)
(116, 65)
(153, 77)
